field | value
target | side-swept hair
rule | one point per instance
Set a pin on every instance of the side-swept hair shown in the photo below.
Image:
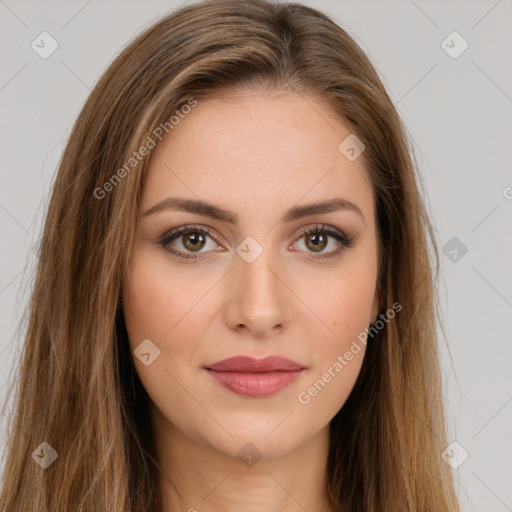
(77, 389)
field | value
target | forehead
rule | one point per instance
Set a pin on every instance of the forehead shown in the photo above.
(258, 152)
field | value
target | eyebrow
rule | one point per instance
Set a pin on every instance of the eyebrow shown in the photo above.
(221, 214)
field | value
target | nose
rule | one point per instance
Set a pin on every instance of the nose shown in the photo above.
(256, 296)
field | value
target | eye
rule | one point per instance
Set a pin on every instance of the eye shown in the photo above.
(317, 239)
(193, 238)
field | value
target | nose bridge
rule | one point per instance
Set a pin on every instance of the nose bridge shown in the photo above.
(256, 265)
(258, 291)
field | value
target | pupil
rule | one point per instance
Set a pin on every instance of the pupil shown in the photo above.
(194, 238)
(315, 239)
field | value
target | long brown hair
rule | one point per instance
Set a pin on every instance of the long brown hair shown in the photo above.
(77, 389)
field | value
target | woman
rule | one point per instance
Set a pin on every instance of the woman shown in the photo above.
(234, 306)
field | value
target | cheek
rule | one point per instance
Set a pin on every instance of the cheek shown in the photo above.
(154, 301)
(159, 306)
(342, 308)
(167, 306)
(338, 354)
(349, 312)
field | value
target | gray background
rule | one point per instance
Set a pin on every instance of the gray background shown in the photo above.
(458, 112)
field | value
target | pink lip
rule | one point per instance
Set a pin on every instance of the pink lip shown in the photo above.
(255, 377)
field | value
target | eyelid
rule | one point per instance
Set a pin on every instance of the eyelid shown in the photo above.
(201, 228)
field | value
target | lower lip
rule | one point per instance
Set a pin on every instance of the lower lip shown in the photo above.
(255, 384)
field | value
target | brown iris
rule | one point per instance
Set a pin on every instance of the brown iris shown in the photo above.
(319, 241)
(194, 238)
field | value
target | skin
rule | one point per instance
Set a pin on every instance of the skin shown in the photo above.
(257, 154)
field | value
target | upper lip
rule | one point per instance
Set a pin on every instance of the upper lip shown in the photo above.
(249, 364)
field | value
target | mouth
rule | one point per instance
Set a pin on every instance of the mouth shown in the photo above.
(247, 376)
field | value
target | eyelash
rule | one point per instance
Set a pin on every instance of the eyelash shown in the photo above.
(169, 236)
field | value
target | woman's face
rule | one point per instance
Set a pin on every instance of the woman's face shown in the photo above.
(257, 286)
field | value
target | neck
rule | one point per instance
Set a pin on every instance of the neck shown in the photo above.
(198, 477)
